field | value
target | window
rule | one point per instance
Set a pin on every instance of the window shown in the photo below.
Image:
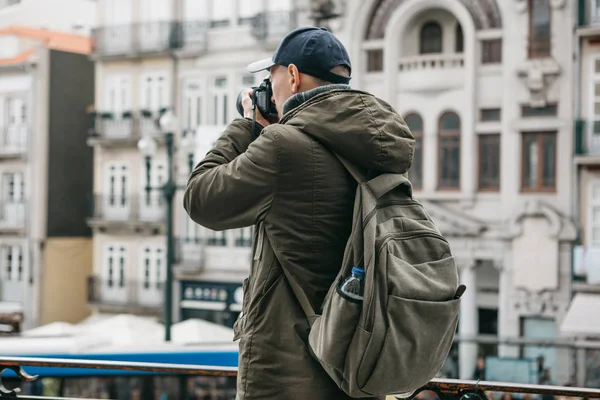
(449, 151)
(12, 263)
(458, 39)
(117, 94)
(217, 238)
(594, 127)
(489, 114)
(219, 101)
(375, 60)
(222, 10)
(549, 110)
(243, 237)
(431, 38)
(539, 28)
(539, 162)
(247, 81)
(152, 267)
(415, 173)
(154, 92)
(192, 105)
(115, 261)
(593, 215)
(491, 51)
(489, 162)
(247, 10)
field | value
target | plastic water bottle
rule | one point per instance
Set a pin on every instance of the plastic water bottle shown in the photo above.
(353, 286)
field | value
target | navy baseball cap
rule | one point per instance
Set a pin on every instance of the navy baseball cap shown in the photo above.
(315, 51)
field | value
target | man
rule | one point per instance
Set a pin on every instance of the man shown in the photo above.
(290, 184)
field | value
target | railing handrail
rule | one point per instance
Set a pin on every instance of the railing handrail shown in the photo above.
(441, 385)
(204, 370)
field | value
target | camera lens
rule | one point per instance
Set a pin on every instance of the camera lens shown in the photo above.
(238, 103)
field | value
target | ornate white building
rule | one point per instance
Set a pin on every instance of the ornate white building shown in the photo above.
(486, 86)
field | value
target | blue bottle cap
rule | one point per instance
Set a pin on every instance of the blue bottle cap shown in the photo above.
(358, 271)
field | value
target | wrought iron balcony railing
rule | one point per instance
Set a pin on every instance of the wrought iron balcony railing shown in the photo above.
(138, 38)
(125, 126)
(129, 208)
(149, 37)
(445, 389)
(13, 139)
(121, 292)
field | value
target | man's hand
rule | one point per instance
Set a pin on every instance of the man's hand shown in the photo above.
(249, 112)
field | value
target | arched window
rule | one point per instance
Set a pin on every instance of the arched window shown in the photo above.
(458, 39)
(449, 151)
(415, 173)
(431, 38)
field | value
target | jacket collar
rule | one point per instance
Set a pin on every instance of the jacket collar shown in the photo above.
(300, 98)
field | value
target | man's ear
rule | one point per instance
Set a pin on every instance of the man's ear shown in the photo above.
(294, 78)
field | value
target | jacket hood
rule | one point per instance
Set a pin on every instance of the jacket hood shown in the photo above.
(358, 126)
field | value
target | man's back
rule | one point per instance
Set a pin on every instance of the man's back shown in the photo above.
(289, 182)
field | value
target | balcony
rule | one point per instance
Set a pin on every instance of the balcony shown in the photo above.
(226, 251)
(13, 141)
(125, 295)
(270, 27)
(428, 72)
(586, 268)
(11, 291)
(135, 40)
(12, 217)
(123, 129)
(133, 213)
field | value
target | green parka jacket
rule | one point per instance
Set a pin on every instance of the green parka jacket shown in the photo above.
(290, 185)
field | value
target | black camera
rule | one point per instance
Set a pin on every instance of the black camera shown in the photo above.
(261, 97)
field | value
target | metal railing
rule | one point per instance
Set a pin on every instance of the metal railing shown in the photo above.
(126, 125)
(129, 208)
(13, 139)
(445, 389)
(149, 37)
(125, 292)
(12, 214)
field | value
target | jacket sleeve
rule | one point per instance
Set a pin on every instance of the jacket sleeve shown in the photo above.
(234, 185)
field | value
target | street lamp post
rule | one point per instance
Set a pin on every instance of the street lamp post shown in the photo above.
(148, 147)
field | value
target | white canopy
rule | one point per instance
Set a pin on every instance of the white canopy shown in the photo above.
(198, 331)
(54, 329)
(582, 317)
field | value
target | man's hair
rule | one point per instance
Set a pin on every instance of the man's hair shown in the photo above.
(338, 70)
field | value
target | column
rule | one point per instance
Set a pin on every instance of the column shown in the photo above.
(468, 322)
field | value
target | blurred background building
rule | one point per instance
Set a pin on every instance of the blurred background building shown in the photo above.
(502, 97)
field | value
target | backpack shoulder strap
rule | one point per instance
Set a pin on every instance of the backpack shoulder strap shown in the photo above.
(302, 298)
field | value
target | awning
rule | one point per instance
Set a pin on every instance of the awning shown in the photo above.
(582, 318)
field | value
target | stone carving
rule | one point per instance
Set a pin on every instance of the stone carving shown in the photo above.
(485, 13)
(538, 75)
(538, 303)
(561, 228)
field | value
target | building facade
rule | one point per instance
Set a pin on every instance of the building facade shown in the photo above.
(586, 162)
(486, 87)
(46, 80)
(153, 56)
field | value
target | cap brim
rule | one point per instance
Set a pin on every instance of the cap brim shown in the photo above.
(260, 65)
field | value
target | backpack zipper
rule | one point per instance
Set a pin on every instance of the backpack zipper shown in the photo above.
(383, 241)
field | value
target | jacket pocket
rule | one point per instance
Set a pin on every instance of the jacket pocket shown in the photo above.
(238, 325)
